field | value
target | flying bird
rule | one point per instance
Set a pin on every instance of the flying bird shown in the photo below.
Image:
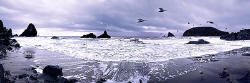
(141, 20)
(161, 10)
(210, 22)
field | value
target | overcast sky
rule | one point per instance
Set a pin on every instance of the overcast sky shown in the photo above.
(78, 17)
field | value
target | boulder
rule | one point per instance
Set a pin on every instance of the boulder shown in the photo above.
(242, 35)
(204, 31)
(54, 37)
(52, 71)
(104, 35)
(30, 31)
(170, 34)
(200, 41)
(90, 35)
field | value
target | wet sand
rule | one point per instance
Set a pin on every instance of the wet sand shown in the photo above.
(203, 69)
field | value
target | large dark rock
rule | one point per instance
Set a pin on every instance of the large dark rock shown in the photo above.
(4, 32)
(170, 34)
(242, 35)
(30, 31)
(104, 35)
(90, 35)
(53, 71)
(6, 43)
(200, 41)
(204, 31)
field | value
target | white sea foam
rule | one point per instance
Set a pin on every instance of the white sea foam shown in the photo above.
(120, 49)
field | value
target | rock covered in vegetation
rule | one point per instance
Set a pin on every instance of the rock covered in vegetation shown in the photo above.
(242, 35)
(200, 41)
(204, 31)
(104, 35)
(90, 35)
(30, 31)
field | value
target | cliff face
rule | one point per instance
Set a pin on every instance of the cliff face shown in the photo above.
(204, 31)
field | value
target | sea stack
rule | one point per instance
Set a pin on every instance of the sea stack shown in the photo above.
(30, 31)
(104, 35)
(170, 34)
(204, 31)
(90, 35)
(242, 35)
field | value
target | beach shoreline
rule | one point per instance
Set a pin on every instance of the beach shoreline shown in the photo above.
(202, 69)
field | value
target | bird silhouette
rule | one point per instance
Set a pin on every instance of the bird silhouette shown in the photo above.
(161, 10)
(188, 22)
(210, 22)
(141, 20)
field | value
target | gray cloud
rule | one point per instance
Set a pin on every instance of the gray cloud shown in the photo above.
(120, 16)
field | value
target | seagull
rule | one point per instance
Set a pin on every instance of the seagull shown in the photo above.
(141, 20)
(161, 10)
(210, 22)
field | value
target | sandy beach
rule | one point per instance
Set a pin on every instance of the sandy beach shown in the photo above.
(201, 69)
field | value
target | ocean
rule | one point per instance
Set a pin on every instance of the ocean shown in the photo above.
(123, 59)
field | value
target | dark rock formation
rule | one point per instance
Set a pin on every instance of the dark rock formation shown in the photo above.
(1, 71)
(90, 35)
(170, 34)
(104, 35)
(30, 31)
(1, 26)
(53, 74)
(4, 33)
(53, 71)
(6, 43)
(204, 31)
(200, 41)
(242, 35)
(54, 37)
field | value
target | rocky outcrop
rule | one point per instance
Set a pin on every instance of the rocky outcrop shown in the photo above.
(204, 31)
(4, 32)
(30, 31)
(90, 35)
(200, 41)
(242, 35)
(104, 35)
(6, 43)
(170, 34)
(53, 71)
(53, 74)
(54, 37)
